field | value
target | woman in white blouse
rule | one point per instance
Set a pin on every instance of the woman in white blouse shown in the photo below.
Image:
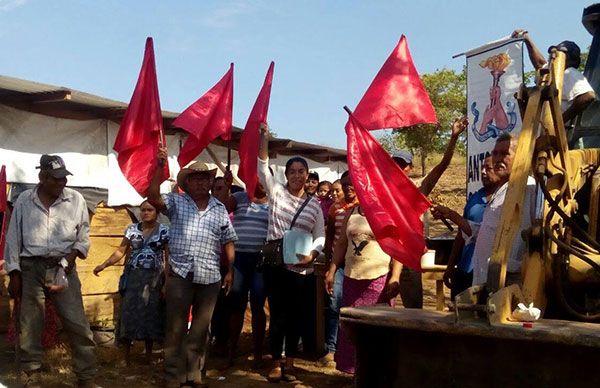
(289, 286)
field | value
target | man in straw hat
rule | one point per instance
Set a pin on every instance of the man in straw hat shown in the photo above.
(200, 230)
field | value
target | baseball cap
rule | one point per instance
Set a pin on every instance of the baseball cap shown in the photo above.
(571, 49)
(54, 165)
(405, 155)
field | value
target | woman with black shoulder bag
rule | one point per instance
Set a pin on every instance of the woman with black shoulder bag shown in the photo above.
(295, 238)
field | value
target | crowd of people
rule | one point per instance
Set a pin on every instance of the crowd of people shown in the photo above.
(189, 282)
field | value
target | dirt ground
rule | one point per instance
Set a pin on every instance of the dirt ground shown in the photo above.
(112, 374)
(450, 192)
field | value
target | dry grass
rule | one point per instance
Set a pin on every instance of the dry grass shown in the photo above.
(111, 374)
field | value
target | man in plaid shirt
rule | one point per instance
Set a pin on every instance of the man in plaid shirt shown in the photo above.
(200, 230)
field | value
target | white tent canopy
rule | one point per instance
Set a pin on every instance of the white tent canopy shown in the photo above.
(86, 145)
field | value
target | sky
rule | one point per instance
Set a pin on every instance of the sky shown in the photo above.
(326, 52)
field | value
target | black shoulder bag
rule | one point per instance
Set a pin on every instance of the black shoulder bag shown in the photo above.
(272, 251)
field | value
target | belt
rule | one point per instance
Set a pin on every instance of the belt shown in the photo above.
(50, 261)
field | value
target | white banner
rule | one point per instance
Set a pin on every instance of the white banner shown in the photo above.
(494, 75)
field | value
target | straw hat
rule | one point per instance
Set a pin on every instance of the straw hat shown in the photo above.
(194, 168)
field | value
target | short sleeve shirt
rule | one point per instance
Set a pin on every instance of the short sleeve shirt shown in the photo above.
(489, 225)
(473, 213)
(251, 223)
(574, 84)
(147, 252)
(196, 238)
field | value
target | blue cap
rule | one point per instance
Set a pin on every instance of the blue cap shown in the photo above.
(405, 155)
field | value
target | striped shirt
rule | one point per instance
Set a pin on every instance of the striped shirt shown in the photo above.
(197, 237)
(282, 208)
(251, 222)
(338, 211)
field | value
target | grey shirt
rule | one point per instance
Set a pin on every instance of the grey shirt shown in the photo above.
(36, 231)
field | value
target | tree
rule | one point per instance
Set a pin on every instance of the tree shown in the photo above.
(447, 91)
(529, 76)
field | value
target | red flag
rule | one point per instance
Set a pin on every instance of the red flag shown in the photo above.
(207, 118)
(3, 208)
(141, 129)
(250, 140)
(393, 207)
(396, 97)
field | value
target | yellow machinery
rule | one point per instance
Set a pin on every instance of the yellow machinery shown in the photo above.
(479, 344)
(562, 263)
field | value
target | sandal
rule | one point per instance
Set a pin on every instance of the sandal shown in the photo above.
(275, 374)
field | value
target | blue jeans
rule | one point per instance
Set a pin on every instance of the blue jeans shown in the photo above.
(333, 311)
(247, 279)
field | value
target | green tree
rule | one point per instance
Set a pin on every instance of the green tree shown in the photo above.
(447, 91)
(529, 76)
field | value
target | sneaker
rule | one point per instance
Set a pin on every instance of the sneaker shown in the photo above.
(326, 360)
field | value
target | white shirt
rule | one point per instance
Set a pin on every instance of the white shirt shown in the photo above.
(574, 84)
(282, 208)
(489, 225)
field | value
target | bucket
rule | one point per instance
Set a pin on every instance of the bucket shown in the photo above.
(428, 259)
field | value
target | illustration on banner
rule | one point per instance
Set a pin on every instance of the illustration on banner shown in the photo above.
(496, 120)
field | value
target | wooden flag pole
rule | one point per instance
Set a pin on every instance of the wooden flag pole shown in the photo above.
(161, 143)
(229, 151)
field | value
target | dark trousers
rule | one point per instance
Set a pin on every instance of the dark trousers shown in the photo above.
(290, 297)
(185, 351)
(460, 282)
(69, 305)
(411, 288)
(219, 323)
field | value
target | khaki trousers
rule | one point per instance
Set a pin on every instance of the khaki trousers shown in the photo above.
(69, 306)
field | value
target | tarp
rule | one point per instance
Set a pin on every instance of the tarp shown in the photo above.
(86, 147)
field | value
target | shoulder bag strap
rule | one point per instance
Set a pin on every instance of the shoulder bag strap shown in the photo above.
(308, 198)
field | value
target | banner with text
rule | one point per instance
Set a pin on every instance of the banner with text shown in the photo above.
(494, 75)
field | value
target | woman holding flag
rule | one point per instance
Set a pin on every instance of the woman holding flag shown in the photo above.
(288, 286)
(370, 275)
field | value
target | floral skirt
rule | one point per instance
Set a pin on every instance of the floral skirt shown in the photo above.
(142, 309)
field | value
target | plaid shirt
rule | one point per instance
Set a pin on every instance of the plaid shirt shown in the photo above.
(196, 238)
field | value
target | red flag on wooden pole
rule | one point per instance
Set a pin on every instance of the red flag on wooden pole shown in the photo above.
(396, 97)
(207, 118)
(141, 130)
(392, 203)
(250, 140)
